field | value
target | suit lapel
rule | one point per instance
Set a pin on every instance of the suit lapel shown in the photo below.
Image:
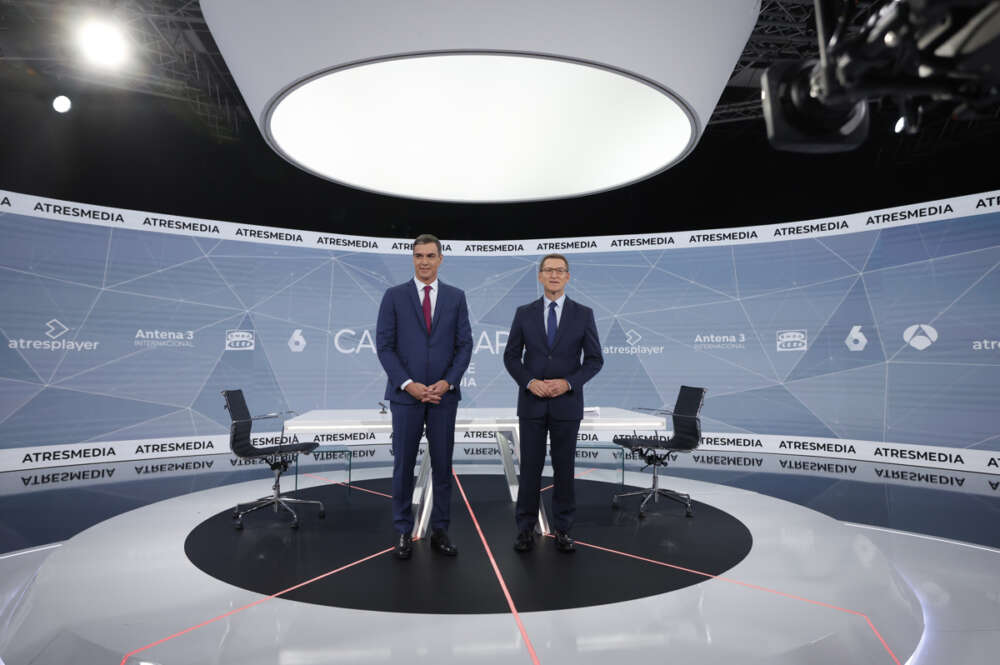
(537, 319)
(442, 301)
(418, 307)
(568, 310)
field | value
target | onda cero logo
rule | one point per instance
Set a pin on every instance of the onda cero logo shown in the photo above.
(792, 340)
(240, 340)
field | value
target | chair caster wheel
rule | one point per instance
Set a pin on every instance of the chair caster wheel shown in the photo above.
(238, 525)
(690, 514)
(295, 524)
(614, 504)
(642, 515)
(322, 514)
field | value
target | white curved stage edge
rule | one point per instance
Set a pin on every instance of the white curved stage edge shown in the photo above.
(941, 457)
(812, 589)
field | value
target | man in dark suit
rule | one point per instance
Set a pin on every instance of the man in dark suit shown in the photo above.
(543, 355)
(424, 343)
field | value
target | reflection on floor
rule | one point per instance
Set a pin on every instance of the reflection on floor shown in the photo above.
(760, 611)
(809, 590)
(51, 505)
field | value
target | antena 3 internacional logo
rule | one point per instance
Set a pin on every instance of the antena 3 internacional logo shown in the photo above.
(55, 331)
(240, 340)
(153, 339)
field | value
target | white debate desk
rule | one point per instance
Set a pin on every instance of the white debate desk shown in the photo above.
(502, 422)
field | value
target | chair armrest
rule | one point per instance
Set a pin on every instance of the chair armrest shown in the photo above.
(265, 416)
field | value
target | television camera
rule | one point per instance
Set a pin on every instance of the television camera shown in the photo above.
(923, 55)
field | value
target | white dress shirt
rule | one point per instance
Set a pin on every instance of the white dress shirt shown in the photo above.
(560, 301)
(420, 296)
(433, 293)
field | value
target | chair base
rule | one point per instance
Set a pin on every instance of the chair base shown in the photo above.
(279, 502)
(655, 494)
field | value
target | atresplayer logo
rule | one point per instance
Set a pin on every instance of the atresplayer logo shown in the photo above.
(54, 330)
(632, 338)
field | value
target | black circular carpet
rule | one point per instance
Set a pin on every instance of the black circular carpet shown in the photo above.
(613, 561)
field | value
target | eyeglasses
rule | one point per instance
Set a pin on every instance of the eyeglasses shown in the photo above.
(556, 271)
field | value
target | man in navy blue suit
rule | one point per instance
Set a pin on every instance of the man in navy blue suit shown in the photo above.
(424, 343)
(543, 354)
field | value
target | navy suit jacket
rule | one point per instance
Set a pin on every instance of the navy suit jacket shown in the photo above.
(528, 356)
(407, 351)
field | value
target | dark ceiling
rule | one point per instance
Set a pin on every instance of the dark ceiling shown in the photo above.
(176, 139)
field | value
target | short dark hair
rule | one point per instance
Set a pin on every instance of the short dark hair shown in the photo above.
(425, 238)
(553, 256)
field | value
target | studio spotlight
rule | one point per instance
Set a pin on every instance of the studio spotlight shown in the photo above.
(908, 121)
(62, 104)
(103, 44)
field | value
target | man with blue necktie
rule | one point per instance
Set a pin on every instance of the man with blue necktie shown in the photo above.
(543, 355)
(424, 342)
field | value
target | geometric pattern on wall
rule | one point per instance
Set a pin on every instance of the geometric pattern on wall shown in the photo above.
(765, 327)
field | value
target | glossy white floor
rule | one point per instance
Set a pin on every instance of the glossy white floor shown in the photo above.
(812, 590)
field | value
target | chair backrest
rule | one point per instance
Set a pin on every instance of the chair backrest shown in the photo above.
(687, 424)
(239, 430)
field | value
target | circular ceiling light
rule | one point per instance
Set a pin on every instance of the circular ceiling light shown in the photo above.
(562, 99)
(480, 127)
(62, 104)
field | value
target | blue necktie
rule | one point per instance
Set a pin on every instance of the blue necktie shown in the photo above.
(552, 325)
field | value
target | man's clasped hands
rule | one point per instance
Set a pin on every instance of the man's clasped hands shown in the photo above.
(429, 394)
(548, 387)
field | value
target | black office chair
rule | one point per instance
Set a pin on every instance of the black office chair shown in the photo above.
(277, 457)
(656, 450)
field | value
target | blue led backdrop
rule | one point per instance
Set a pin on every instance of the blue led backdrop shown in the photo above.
(874, 332)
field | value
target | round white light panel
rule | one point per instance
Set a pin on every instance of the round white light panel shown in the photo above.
(479, 127)
(62, 104)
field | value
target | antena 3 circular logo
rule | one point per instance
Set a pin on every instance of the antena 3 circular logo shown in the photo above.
(920, 335)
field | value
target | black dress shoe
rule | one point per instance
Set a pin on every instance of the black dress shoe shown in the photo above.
(525, 541)
(441, 543)
(564, 543)
(404, 546)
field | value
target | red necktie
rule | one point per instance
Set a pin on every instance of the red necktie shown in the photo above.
(427, 307)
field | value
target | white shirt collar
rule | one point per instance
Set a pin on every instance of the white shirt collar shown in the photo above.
(558, 301)
(421, 285)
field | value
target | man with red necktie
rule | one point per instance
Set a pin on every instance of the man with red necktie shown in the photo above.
(424, 342)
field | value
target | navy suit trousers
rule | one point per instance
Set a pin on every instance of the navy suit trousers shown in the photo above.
(562, 435)
(408, 422)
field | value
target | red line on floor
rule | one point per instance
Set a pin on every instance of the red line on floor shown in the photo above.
(579, 475)
(354, 487)
(496, 570)
(748, 585)
(256, 602)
